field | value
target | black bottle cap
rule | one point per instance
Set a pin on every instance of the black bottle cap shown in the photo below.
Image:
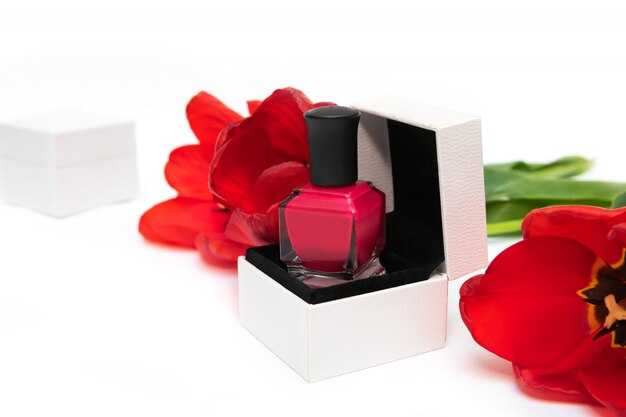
(333, 145)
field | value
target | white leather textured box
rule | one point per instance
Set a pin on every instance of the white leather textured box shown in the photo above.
(65, 162)
(336, 337)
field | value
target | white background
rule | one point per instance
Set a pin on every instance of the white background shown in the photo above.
(94, 321)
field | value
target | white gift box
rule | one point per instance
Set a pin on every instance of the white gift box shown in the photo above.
(428, 161)
(65, 162)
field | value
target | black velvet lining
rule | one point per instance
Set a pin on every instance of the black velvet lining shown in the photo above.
(414, 230)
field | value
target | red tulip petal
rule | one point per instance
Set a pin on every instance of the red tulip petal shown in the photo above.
(187, 171)
(563, 378)
(283, 109)
(566, 386)
(589, 350)
(525, 307)
(324, 103)
(225, 134)
(253, 105)
(274, 134)
(617, 235)
(277, 182)
(179, 220)
(607, 383)
(587, 225)
(220, 251)
(207, 116)
(256, 229)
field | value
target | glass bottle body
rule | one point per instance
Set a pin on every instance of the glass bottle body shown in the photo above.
(329, 235)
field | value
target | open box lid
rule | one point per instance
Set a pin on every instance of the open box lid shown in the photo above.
(428, 162)
(66, 137)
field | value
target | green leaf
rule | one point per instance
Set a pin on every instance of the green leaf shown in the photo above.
(566, 167)
(511, 227)
(505, 217)
(507, 187)
(620, 200)
(512, 190)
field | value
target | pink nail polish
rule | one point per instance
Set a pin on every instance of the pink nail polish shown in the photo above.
(333, 229)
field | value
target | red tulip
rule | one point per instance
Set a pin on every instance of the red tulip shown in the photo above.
(554, 305)
(230, 184)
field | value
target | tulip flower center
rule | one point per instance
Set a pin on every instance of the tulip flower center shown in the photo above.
(617, 311)
(607, 298)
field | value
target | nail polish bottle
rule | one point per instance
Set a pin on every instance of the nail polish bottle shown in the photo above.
(332, 229)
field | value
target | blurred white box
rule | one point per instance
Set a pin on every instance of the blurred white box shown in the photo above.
(65, 162)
